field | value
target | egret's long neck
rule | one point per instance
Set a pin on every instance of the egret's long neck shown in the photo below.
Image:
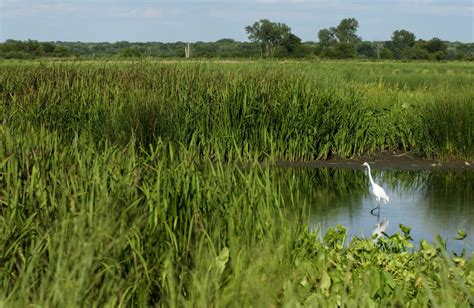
(370, 175)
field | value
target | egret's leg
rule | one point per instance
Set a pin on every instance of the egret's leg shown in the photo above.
(376, 208)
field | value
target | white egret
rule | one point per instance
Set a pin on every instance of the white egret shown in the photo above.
(377, 191)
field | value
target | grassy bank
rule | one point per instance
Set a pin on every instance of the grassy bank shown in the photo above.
(121, 183)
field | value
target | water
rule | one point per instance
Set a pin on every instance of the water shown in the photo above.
(430, 202)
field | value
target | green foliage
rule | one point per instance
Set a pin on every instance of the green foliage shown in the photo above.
(402, 40)
(298, 111)
(367, 50)
(122, 183)
(417, 52)
(463, 51)
(130, 52)
(436, 45)
(88, 226)
(443, 112)
(386, 54)
(346, 31)
(228, 48)
(327, 37)
(387, 273)
(271, 35)
(30, 49)
(434, 49)
(341, 41)
(293, 47)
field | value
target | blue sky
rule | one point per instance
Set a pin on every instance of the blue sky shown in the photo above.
(210, 20)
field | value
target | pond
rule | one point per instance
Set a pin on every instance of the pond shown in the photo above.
(430, 202)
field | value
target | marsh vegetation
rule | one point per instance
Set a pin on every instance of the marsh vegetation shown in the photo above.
(148, 183)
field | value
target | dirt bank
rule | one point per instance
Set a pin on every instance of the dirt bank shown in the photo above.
(385, 161)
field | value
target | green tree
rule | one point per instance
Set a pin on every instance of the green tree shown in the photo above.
(130, 52)
(434, 49)
(340, 41)
(419, 52)
(438, 48)
(435, 45)
(346, 32)
(269, 34)
(366, 50)
(402, 40)
(345, 50)
(60, 51)
(292, 44)
(47, 47)
(327, 37)
(386, 54)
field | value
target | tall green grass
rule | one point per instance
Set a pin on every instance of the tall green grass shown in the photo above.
(289, 111)
(122, 226)
(122, 184)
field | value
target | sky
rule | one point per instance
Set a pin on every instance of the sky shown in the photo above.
(210, 20)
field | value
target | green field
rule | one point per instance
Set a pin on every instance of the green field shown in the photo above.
(148, 183)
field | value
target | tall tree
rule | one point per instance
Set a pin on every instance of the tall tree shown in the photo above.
(291, 43)
(402, 40)
(268, 34)
(346, 31)
(327, 37)
(436, 45)
(340, 41)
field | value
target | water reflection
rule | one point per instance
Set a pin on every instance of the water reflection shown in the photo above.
(431, 202)
(379, 229)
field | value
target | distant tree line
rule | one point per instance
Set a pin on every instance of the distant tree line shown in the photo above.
(32, 49)
(267, 39)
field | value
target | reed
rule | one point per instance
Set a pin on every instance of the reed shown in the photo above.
(293, 111)
(122, 184)
(121, 226)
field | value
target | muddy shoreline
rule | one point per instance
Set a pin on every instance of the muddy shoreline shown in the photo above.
(384, 161)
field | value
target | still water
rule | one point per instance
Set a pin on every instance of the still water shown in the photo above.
(430, 202)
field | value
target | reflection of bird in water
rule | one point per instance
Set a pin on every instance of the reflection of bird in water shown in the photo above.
(375, 189)
(379, 228)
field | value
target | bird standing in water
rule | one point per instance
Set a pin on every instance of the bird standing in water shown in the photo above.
(377, 191)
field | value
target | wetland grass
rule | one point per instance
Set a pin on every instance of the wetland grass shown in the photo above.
(293, 111)
(122, 183)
